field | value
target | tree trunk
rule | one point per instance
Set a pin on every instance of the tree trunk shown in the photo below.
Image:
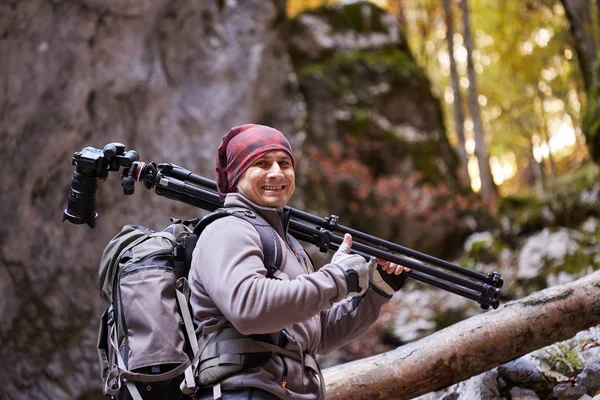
(488, 188)
(472, 346)
(459, 117)
(583, 30)
(537, 171)
(542, 127)
(580, 17)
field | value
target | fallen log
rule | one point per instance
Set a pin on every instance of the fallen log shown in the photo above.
(472, 346)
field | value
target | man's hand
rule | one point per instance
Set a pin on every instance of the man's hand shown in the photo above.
(355, 267)
(391, 268)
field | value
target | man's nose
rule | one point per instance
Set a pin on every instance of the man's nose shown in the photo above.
(275, 171)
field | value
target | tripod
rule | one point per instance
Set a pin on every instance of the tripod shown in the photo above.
(177, 183)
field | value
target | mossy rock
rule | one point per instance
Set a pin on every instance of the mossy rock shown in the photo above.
(552, 260)
(341, 70)
(482, 247)
(563, 204)
(348, 80)
(563, 361)
(360, 16)
(523, 212)
(352, 25)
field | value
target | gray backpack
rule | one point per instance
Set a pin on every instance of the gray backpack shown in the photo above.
(147, 338)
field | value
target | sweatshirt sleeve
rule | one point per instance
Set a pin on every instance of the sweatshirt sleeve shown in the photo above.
(228, 263)
(349, 319)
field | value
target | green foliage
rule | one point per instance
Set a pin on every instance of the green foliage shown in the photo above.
(343, 69)
(574, 263)
(563, 361)
(524, 212)
(591, 117)
(590, 123)
(479, 247)
(574, 182)
(513, 26)
(562, 203)
(483, 251)
(524, 58)
(398, 61)
(359, 123)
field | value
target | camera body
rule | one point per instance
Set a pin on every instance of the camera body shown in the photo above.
(93, 164)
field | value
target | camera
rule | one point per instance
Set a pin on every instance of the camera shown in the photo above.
(93, 164)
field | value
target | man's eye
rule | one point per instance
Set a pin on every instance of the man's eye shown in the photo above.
(284, 163)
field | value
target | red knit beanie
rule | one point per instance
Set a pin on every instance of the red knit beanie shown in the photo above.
(240, 148)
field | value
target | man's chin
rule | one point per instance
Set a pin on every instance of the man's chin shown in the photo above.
(277, 202)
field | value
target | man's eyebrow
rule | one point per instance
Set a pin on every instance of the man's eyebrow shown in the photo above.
(277, 157)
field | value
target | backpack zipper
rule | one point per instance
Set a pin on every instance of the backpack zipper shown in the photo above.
(290, 338)
(131, 269)
(284, 374)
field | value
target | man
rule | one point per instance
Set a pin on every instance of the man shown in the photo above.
(286, 319)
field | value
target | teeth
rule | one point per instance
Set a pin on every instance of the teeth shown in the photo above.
(273, 187)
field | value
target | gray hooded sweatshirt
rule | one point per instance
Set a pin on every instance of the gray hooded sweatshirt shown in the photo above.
(228, 280)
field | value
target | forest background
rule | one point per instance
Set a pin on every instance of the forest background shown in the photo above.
(463, 129)
(534, 71)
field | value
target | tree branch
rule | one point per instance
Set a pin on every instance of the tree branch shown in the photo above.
(472, 346)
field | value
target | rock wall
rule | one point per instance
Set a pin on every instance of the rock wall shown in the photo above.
(166, 78)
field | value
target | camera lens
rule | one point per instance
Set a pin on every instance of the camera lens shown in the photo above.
(81, 207)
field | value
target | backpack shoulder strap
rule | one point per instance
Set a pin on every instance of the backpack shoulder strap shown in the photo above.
(209, 219)
(269, 238)
(270, 241)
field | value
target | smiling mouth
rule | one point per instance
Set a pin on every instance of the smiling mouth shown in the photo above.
(274, 187)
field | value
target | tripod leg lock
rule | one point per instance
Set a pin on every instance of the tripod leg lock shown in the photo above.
(495, 279)
(490, 296)
(330, 223)
(323, 239)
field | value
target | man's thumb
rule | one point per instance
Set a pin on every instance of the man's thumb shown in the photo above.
(346, 244)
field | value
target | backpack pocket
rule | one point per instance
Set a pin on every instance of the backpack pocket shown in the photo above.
(150, 313)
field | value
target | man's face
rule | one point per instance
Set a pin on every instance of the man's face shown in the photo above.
(270, 181)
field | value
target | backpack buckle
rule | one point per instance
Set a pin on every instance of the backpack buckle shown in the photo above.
(249, 214)
(246, 213)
